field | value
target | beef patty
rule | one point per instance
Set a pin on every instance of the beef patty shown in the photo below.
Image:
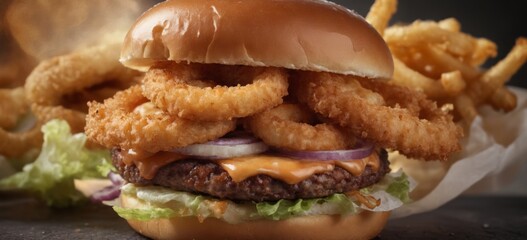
(207, 177)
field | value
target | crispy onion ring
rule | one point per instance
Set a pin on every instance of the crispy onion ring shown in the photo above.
(286, 126)
(60, 87)
(14, 144)
(13, 106)
(118, 122)
(56, 77)
(76, 120)
(421, 131)
(174, 87)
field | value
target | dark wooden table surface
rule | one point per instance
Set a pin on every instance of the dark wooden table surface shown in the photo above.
(467, 217)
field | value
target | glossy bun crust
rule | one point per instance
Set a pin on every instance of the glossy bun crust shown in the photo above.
(295, 34)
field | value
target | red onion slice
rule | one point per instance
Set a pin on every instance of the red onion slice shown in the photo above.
(110, 192)
(106, 194)
(338, 155)
(116, 179)
(224, 148)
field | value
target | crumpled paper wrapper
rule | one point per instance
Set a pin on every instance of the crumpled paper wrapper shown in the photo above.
(491, 158)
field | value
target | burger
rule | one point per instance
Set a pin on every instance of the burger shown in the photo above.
(195, 174)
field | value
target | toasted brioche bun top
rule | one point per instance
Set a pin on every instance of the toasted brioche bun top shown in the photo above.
(296, 34)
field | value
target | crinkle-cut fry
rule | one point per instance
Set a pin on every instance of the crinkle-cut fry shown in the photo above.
(430, 32)
(58, 76)
(499, 74)
(484, 50)
(448, 63)
(405, 76)
(453, 82)
(503, 99)
(380, 14)
(14, 144)
(450, 24)
(466, 108)
(13, 105)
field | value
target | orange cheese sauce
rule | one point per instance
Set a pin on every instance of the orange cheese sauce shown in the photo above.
(357, 166)
(288, 170)
(149, 163)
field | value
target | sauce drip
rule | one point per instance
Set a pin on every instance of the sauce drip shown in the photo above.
(357, 166)
(149, 163)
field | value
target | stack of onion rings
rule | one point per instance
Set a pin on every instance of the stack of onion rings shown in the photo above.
(407, 122)
(119, 122)
(195, 103)
(60, 88)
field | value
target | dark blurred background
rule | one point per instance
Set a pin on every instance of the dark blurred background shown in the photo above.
(40, 22)
(500, 21)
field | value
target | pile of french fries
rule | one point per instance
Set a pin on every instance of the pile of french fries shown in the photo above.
(436, 57)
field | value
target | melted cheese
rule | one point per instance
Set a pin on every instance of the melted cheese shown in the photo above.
(357, 166)
(288, 170)
(149, 163)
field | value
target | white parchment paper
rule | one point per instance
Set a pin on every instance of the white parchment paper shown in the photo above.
(491, 158)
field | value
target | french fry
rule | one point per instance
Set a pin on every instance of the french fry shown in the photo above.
(503, 99)
(450, 24)
(499, 74)
(405, 76)
(484, 50)
(430, 32)
(453, 82)
(415, 59)
(466, 108)
(380, 14)
(445, 62)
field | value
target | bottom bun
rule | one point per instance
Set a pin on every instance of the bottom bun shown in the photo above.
(365, 225)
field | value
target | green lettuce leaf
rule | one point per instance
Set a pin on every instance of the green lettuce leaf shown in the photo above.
(400, 187)
(159, 202)
(144, 214)
(62, 159)
(283, 209)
